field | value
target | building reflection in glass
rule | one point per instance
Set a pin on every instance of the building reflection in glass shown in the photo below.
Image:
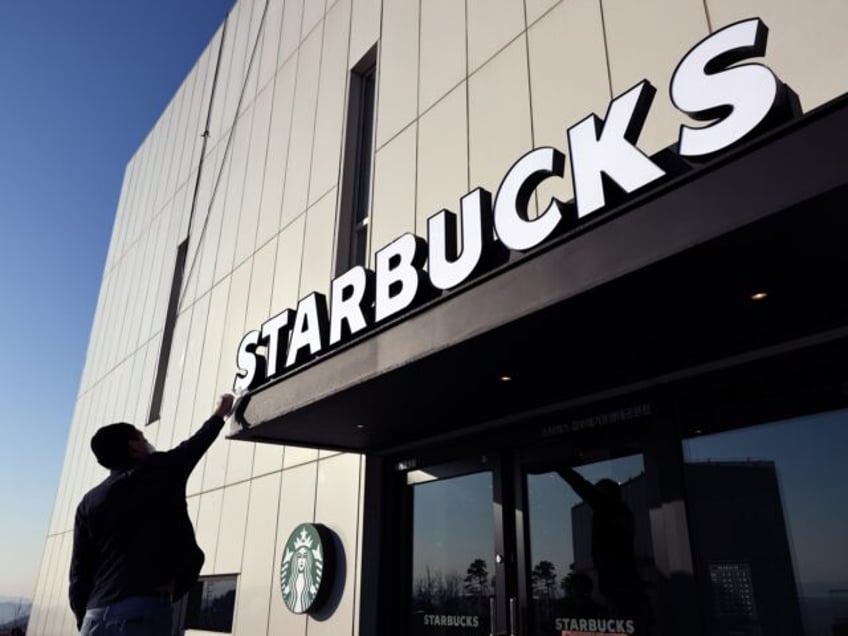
(768, 518)
(211, 603)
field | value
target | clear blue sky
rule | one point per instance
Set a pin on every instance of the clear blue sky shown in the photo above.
(81, 83)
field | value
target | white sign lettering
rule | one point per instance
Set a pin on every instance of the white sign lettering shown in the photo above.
(709, 84)
(448, 620)
(706, 87)
(592, 626)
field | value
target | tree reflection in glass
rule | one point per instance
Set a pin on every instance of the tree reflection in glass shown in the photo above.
(452, 553)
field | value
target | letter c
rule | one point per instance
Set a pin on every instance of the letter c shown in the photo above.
(513, 227)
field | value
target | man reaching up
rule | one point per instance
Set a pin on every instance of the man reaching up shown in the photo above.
(134, 549)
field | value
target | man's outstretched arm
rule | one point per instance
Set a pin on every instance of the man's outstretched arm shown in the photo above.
(583, 487)
(190, 451)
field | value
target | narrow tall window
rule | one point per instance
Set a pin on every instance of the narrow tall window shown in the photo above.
(168, 333)
(359, 145)
(210, 605)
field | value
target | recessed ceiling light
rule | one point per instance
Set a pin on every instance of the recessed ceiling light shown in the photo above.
(761, 295)
(360, 426)
(506, 378)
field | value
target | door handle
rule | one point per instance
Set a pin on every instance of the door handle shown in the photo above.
(513, 616)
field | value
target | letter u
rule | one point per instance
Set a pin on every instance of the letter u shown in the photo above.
(447, 265)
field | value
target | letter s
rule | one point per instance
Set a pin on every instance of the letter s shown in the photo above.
(251, 364)
(706, 87)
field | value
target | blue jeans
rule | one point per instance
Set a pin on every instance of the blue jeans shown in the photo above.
(134, 616)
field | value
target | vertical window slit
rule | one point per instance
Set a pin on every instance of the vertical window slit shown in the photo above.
(359, 148)
(168, 333)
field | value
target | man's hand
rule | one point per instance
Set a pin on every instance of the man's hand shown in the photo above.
(225, 405)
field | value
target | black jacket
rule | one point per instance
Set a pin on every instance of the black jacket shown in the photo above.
(132, 532)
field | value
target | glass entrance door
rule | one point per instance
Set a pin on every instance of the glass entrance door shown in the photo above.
(588, 549)
(455, 533)
(531, 545)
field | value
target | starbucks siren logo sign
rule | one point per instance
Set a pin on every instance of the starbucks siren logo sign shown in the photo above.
(303, 572)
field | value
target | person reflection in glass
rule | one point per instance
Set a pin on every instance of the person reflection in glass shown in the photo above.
(578, 599)
(613, 551)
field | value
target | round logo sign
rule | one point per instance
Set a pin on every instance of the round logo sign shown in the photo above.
(303, 569)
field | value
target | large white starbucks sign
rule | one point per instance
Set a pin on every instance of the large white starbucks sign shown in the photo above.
(736, 100)
(306, 568)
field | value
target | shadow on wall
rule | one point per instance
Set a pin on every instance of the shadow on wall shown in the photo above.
(339, 575)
